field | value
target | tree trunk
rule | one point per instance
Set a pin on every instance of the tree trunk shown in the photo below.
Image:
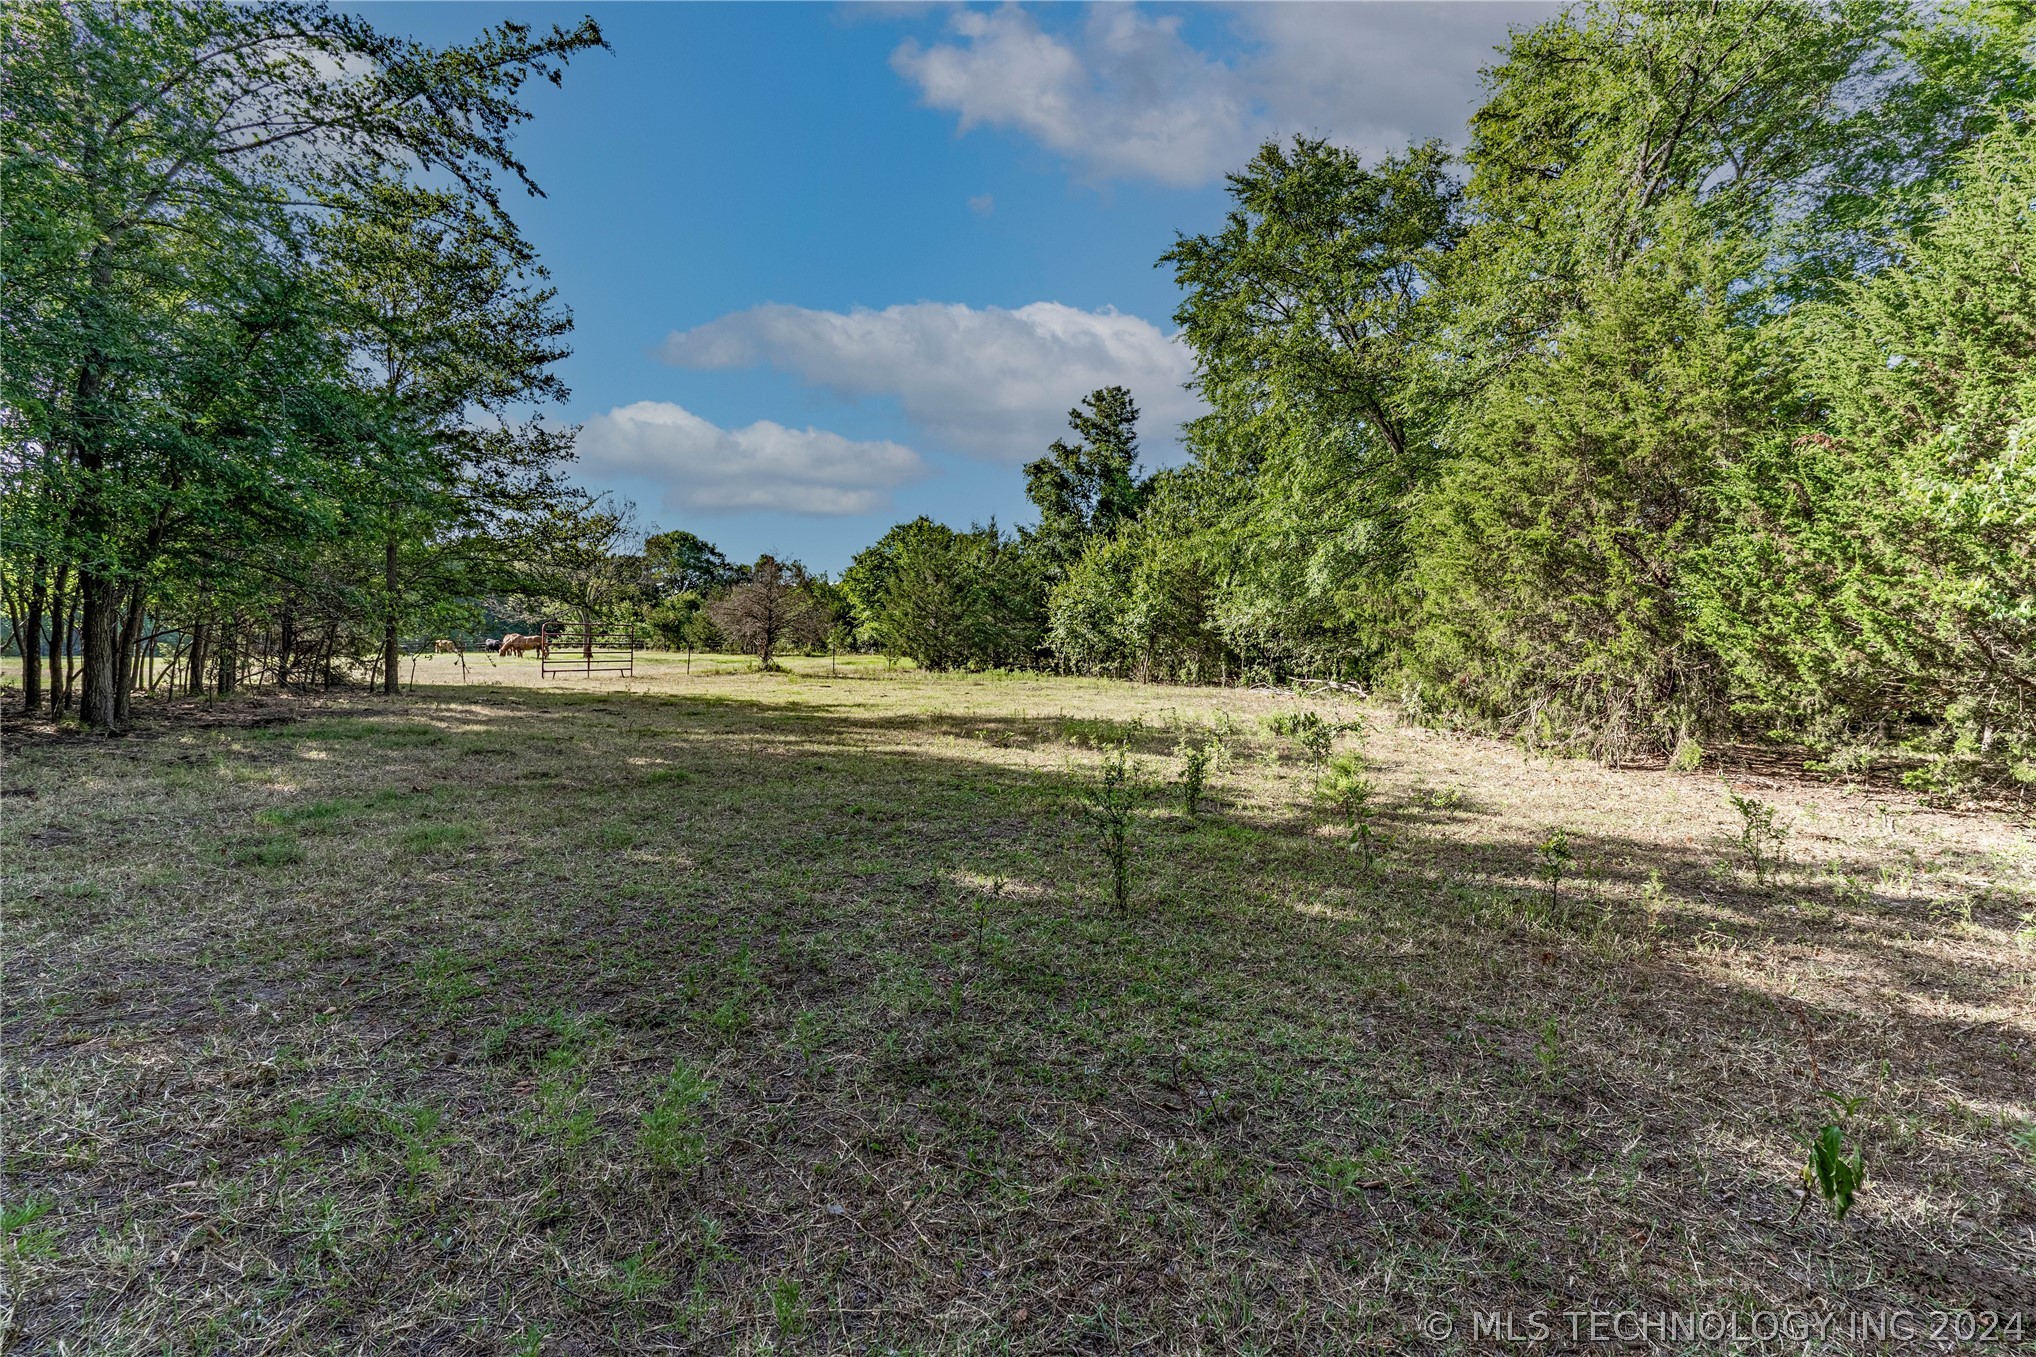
(228, 665)
(201, 641)
(15, 623)
(166, 670)
(59, 638)
(70, 690)
(31, 641)
(286, 641)
(129, 652)
(98, 594)
(390, 658)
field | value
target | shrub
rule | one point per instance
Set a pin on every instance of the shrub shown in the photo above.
(1554, 856)
(1344, 787)
(1315, 734)
(1112, 799)
(1195, 761)
(1761, 836)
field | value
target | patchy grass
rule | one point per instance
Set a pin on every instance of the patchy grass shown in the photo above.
(737, 1012)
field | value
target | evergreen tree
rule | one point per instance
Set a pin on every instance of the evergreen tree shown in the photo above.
(1087, 488)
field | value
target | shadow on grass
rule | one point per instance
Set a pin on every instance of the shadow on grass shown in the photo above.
(950, 1084)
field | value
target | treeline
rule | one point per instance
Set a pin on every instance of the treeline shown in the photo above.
(1695, 398)
(272, 345)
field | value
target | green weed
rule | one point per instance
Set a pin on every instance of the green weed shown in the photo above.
(538, 1040)
(265, 850)
(1113, 796)
(1553, 857)
(438, 838)
(1548, 1049)
(21, 1241)
(788, 1307)
(1761, 835)
(670, 1135)
(1834, 1176)
(1196, 759)
(1313, 732)
(446, 978)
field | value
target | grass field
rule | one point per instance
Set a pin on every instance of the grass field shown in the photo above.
(744, 1013)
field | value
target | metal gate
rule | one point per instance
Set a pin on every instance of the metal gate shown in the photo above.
(573, 649)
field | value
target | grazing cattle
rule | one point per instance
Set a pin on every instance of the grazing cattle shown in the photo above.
(446, 647)
(515, 644)
(492, 643)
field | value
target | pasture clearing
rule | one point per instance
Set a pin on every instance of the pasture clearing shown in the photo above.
(742, 1012)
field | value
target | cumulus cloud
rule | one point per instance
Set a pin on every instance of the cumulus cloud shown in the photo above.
(707, 469)
(1133, 98)
(1126, 95)
(988, 382)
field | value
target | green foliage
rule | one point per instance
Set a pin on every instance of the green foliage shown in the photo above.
(788, 1307)
(16, 1218)
(1761, 835)
(1548, 1049)
(949, 600)
(1550, 552)
(1836, 1178)
(670, 1133)
(1135, 605)
(1314, 302)
(1553, 857)
(1196, 758)
(1312, 731)
(679, 562)
(1576, 448)
(1877, 570)
(1113, 796)
(250, 363)
(1346, 787)
(1086, 489)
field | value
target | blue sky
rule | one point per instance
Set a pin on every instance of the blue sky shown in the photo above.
(834, 266)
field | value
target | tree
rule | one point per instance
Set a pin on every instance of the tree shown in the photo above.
(867, 581)
(1139, 604)
(578, 554)
(678, 562)
(1086, 488)
(453, 335)
(1316, 296)
(1877, 570)
(1548, 581)
(770, 610)
(1316, 324)
(165, 158)
(952, 600)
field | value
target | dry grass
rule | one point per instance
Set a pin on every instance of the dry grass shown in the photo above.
(738, 1013)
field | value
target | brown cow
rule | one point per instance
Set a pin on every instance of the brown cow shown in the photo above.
(446, 647)
(517, 644)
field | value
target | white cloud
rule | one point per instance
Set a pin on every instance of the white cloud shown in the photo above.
(1126, 95)
(707, 469)
(987, 381)
(982, 204)
(1134, 99)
